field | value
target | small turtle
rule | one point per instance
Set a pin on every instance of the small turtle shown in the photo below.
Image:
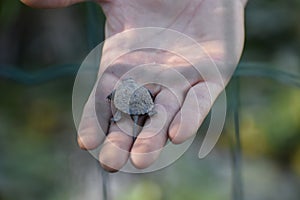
(133, 99)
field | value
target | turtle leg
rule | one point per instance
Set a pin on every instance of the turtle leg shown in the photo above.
(117, 116)
(151, 113)
(111, 95)
(135, 126)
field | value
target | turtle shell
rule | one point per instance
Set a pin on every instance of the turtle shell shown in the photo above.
(132, 99)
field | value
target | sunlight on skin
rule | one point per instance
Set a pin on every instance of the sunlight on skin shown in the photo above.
(217, 25)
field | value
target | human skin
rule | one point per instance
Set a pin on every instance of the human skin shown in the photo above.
(216, 25)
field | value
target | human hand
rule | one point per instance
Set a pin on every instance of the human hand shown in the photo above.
(217, 26)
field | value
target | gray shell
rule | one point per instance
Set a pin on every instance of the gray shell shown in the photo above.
(133, 99)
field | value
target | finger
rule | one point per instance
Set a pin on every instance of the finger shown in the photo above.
(115, 151)
(96, 114)
(195, 108)
(50, 3)
(153, 136)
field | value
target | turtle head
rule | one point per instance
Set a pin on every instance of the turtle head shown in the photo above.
(128, 80)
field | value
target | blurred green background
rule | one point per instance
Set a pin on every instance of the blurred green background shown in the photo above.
(39, 157)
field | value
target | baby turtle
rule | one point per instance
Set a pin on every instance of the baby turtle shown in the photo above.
(133, 99)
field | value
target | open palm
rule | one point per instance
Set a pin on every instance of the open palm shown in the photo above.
(216, 26)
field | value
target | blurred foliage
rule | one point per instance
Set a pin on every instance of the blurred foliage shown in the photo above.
(37, 136)
(8, 12)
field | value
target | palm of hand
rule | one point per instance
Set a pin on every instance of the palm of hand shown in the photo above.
(216, 25)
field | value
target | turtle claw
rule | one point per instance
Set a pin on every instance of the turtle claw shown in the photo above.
(110, 96)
